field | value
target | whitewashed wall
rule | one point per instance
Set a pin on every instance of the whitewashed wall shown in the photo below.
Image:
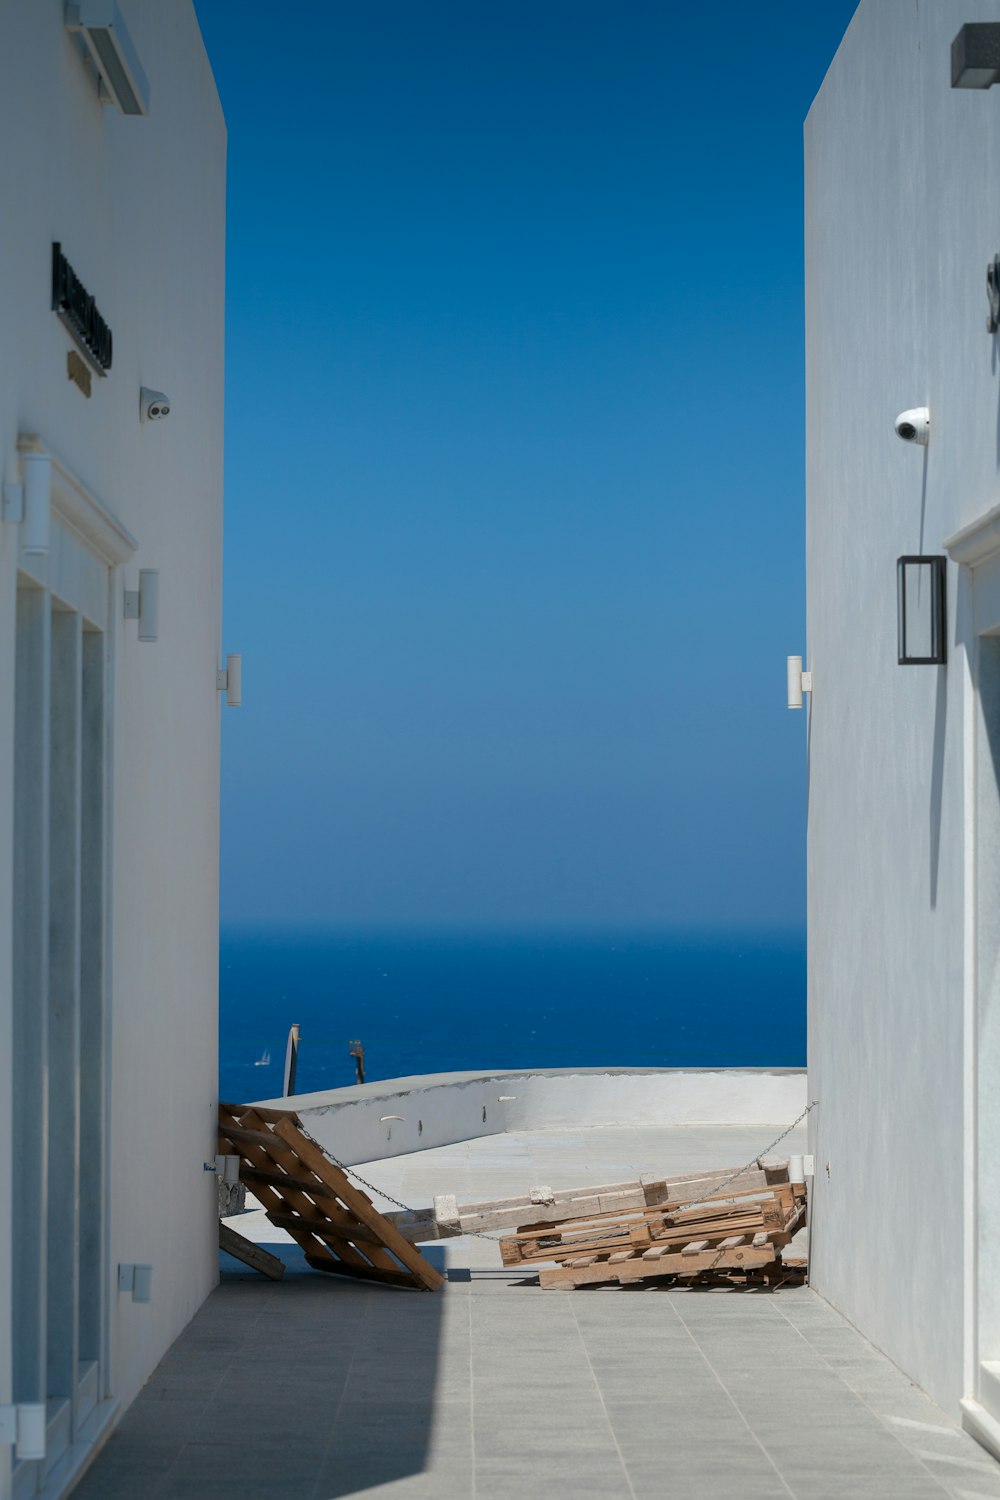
(138, 205)
(397, 1115)
(902, 215)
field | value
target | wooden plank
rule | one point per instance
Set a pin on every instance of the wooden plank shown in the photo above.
(250, 1254)
(640, 1269)
(341, 1226)
(620, 1255)
(308, 1151)
(242, 1136)
(758, 1240)
(695, 1247)
(732, 1242)
(609, 1200)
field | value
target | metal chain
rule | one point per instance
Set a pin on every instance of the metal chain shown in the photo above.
(484, 1234)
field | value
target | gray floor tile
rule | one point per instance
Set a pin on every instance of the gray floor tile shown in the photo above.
(395, 1397)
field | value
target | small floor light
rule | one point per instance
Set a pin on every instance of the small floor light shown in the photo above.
(920, 603)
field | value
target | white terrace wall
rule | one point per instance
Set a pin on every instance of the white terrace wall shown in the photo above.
(398, 1115)
(138, 205)
(902, 215)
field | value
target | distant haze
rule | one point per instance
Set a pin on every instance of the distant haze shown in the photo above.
(514, 495)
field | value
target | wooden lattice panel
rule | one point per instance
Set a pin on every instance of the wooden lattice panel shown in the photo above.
(301, 1191)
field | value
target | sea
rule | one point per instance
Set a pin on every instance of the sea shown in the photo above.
(422, 1002)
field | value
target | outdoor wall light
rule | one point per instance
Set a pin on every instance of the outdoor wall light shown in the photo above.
(799, 682)
(143, 604)
(105, 36)
(138, 1280)
(229, 680)
(30, 502)
(920, 603)
(975, 56)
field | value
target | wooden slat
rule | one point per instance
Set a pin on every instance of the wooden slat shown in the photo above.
(243, 1136)
(694, 1247)
(308, 1151)
(641, 1269)
(250, 1254)
(732, 1242)
(328, 1223)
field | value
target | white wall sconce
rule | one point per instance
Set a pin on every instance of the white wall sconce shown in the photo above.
(799, 682)
(121, 80)
(138, 1280)
(975, 56)
(22, 1428)
(143, 604)
(229, 680)
(921, 611)
(30, 502)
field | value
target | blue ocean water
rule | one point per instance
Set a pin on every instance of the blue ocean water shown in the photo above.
(425, 1003)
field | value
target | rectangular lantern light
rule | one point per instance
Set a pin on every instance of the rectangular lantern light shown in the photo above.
(975, 56)
(111, 50)
(920, 602)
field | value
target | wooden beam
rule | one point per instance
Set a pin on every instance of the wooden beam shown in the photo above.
(250, 1254)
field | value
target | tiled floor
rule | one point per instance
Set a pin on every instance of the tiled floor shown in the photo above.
(311, 1388)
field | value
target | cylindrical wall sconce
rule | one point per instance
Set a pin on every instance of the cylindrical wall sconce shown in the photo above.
(149, 604)
(37, 471)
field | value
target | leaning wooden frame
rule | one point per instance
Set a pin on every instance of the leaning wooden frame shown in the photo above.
(302, 1191)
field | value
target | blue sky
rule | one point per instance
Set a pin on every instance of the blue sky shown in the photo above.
(514, 460)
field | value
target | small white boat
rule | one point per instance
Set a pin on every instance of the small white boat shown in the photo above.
(264, 1060)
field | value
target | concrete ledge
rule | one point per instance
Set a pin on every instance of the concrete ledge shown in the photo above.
(436, 1109)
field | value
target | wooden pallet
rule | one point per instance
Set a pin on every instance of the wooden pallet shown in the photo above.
(735, 1233)
(301, 1191)
(447, 1218)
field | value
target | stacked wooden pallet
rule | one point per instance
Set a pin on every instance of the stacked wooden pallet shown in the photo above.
(736, 1231)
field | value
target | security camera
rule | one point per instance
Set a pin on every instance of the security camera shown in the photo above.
(914, 426)
(153, 405)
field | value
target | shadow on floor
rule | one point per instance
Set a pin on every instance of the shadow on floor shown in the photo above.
(313, 1386)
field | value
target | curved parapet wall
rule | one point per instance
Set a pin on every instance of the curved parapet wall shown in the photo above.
(398, 1115)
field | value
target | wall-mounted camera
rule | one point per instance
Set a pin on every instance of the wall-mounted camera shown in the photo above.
(153, 405)
(914, 426)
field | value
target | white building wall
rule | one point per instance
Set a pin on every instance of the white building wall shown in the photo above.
(139, 206)
(902, 215)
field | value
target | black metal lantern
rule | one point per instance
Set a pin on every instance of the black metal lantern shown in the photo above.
(920, 601)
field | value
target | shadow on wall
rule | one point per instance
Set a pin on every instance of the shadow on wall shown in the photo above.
(937, 776)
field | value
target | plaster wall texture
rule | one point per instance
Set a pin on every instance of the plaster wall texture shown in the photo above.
(438, 1109)
(138, 205)
(902, 216)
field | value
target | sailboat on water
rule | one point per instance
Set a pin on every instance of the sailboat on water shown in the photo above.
(264, 1060)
